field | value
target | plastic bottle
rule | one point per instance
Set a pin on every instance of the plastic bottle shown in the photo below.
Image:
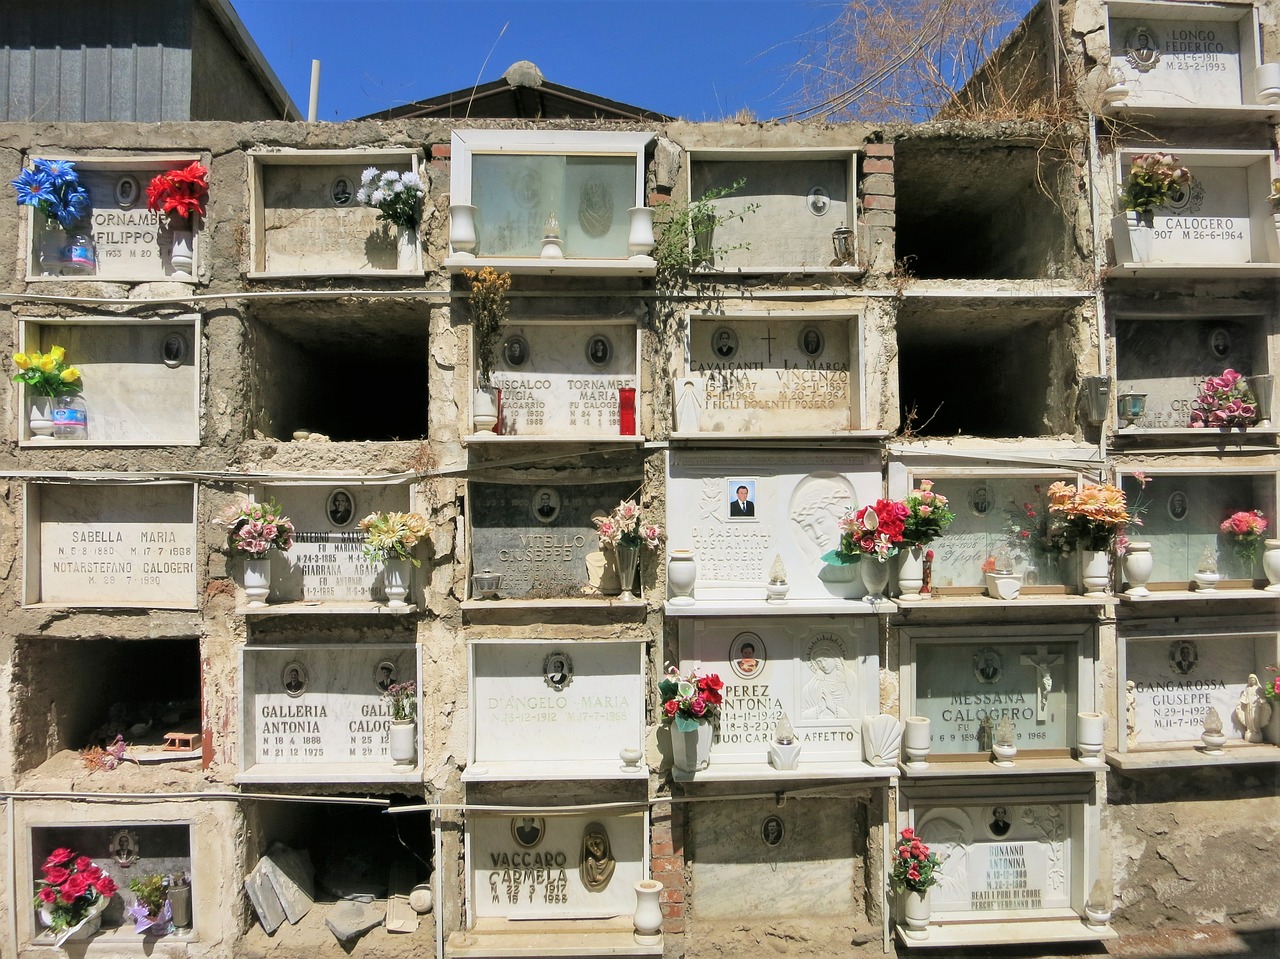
(70, 418)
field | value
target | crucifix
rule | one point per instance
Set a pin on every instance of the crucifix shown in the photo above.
(768, 343)
(1044, 682)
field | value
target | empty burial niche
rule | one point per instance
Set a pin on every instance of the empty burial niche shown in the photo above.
(80, 694)
(350, 378)
(973, 373)
(352, 850)
(977, 210)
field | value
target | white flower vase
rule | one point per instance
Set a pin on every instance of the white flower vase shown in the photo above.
(840, 581)
(484, 411)
(1137, 565)
(648, 915)
(462, 230)
(182, 252)
(682, 574)
(911, 573)
(1089, 737)
(40, 415)
(640, 236)
(406, 249)
(396, 578)
(915, 914)
(917, 740)
(402, 741)
(691, 751)
(1095, 572)
(257, 580)
(1271, 566)
(875, 577)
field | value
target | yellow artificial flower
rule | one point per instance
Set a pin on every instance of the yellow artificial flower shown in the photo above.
(58, 354)
(70, 374)
(22, 361)
(47, 363)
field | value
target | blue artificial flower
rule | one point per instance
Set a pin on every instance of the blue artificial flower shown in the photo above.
(60, 171)
(33, 187)
(74, 206)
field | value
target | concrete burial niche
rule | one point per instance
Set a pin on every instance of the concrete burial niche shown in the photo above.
(541, 865)
(141, 378)
(303, 364)
(317, 713)
(783, 215)
(110, 545)
(966, 680)
(79, 693)
(1006, 365)
(565, 379)
(976, 210)
(774, 373)
(555, 710)
(304, 218)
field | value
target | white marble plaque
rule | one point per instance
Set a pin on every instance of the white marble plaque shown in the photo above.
(126, 545)
(539, 702)
(792, 510)
(544, 866)
(965, 689)
(769, 375)
(320, 704)
(797, 859)
(565, 379)
(1000, 859)
(824, 677)
(1177, 679)
(1178, 63)
(126, 235)
(1208, 222)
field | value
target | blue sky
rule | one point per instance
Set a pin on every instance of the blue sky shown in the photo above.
(697, 59)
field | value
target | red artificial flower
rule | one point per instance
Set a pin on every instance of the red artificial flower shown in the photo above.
(179, 192)
(48, 895)
(106, 886)
(92, 872)
(76, 885)
(904, 853)
(56, 875)
(670, 707)
(83, 863)
(913, 872)
(698, 706)
(59, 856)
(908, 833)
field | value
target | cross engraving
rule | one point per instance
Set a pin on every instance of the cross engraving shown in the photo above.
(1044, 681)
(768, 343)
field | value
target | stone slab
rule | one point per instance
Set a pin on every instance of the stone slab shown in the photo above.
(263, 898)
(1178, 63)
(351, 920)
(540, 702)
(109, 545)
(292, 877)
(1177, 679)
(530, 867)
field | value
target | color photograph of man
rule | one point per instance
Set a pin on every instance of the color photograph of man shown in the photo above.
(741, 505)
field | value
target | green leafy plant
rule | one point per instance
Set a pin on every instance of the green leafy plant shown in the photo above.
(1153, 179)
(151, 891)
(686, 234)
(913, 864)
(490, 310)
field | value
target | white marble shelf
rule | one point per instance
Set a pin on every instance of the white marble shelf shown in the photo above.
(578, 769)
(1203, 436)
(317, 773)
(498, 439)
(1207, 114)
(547, 939)
(980, 601)
(324, 607)
(1167, 271)
(565, 602)
(369, 274)
(730, 772)
(788, 607)
(1006, 932)
(568, 266)
(1233, 754)
(1219, 595)
(720, 274)
(831, 437)
(968, 769)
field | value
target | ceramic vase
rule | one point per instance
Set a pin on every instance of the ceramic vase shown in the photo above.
(40, 415)
(875, 577)
(1095, 572)
(484, 411)
(462, 230)
(396, 577)
(640, 235)
(682, 574)
(257, 580)
(402, 741)
(628, 566)
(406, 249)
(915, 914)
(1271, 565)
(917, 740)
(182, 252)
(840, 581)
(1089, 733)
(1266, 83)
(691, 751)
(911, 573)
(648, 915)
(1137, 565)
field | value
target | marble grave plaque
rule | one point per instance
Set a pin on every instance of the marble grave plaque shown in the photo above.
(1000, 858)
(545, 866)
(126, 235)
(116, 545)
(791, 511)
(1177, 679)
(965, 689)
(556, 701)
(320, 704)
(825, 678)
(1207, 222)
(540, 537)
(1178, 63)
(564, 379)
(768, 376)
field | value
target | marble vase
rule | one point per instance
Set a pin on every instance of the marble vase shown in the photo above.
(1095, 572)
(682, 574)
(1271, 565)
(911, 573)
(648, 915)
(406, 249)
(917, 740)
(1137, 565)
(915, 913)
(257, 580)
(182, 252)
(402, 736)
(396, 577)
(691, 751)
(875, 577)
(40, 415)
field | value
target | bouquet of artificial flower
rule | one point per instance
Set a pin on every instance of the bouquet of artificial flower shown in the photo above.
(53, 187)
(1245, 530)
(875, 531)
(626, 525)
(72, 886)
(179, 193)
(913, 865)
(1153, 179)
(403, 698)
(1271, 688)
(927, 515)
(393, 536)
(47, 374)
(257, 528)
(1224, 401)
(690, 700)
(398, 196)
(1091, 515)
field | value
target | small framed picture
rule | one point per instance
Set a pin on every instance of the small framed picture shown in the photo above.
(545, 504)
(980, 499)
(1177, 506)
(771, 830)
(515, 351)
(812, 342)
(599, 350)
(724, 342)
(1220, 342)
(340, 508)
(740, 496)
(340, 191)
(294, 679)
(747, 655)
(174, 350)
(527, 830)
(127, 192)
(384, 675)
